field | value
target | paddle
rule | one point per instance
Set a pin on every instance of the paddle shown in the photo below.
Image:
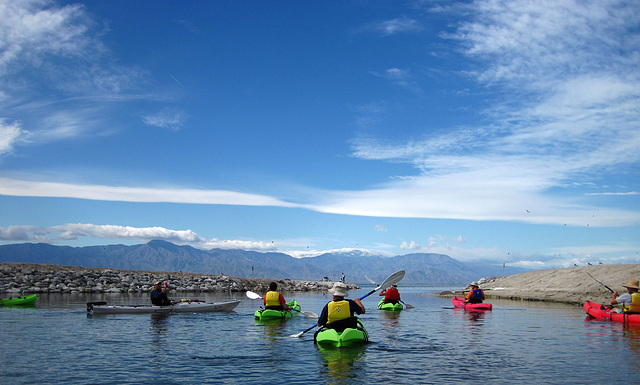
(308, 314)
(391, 280)
(407, 305)
(600, 282)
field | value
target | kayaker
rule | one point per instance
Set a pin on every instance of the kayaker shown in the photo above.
(339, 313)
(476, 295)
(630, 300)
(391, 295)
(159, 295)
(274, 300)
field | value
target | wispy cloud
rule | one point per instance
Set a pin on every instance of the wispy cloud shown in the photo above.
(170, 119)
(569, 113)
(400, 78)
(17, 187)
(57, 77)
(394, 26)
(9, 134)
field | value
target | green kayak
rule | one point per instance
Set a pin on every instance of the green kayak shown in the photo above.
(27, 300)
(332, 338)
(390, 306)
(270, 314)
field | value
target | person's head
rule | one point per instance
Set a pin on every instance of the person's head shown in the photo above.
(395, 286)
(474, 285)
(157, 284)
(273, 286)
(632, 286)
(339, 290)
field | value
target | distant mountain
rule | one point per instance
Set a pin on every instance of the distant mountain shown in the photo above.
(436, 269)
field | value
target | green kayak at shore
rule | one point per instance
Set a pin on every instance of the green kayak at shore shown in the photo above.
(270, 314)
(27, 300)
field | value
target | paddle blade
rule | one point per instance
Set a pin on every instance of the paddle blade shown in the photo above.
(309, 314)
(252, 295)
(391, 280)
(370, 280)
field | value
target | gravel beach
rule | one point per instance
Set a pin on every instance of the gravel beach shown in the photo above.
(27, 278)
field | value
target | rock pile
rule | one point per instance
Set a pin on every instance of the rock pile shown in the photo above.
(33, 278)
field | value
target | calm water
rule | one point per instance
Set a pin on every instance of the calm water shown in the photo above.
(517, 342)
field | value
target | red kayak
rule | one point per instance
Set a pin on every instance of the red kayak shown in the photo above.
(601, 312)
(459, 302)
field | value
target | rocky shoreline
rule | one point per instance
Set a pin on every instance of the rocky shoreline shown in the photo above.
(26, 278)
(572, 285)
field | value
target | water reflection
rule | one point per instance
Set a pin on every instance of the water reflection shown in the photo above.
(273, 329)
(342, 365)
(159, 329)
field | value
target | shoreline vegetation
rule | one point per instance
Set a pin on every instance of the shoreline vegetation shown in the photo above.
(31, 278)
(571, 285)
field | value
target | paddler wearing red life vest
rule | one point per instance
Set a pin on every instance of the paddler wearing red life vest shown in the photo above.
(476, 295)
(391, 294)
(274, 300)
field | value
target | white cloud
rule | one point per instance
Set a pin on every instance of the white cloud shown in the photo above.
(9, 134)
(395, 26)
(75, 231)
(569, 114)
(170, 119)
(410, 246)
(380, 228)
(16, 187)
(32, 29)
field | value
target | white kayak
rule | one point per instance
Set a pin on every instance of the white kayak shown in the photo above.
(178, 307)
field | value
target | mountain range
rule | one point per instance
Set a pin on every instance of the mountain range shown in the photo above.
(421, 268)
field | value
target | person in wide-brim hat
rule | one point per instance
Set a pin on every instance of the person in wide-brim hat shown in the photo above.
(339, 289)
(340, 309)
(630, 300)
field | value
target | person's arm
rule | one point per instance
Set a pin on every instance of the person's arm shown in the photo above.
(614, 298)
(283, 303)
(322, 320)
(359, 303)
(482, 291)
(383, 292)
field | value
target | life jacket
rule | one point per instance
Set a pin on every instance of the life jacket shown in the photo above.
(635, 304)
(477, 294)
(392, 295)
(338, 310)
(272, 298)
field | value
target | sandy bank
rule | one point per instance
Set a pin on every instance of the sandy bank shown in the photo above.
(568, 285)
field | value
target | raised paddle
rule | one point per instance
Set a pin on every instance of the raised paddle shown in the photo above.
(391, 280)
(600, 282)
(407, 305)
(307, 314)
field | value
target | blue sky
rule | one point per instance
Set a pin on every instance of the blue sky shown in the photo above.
(494, 131)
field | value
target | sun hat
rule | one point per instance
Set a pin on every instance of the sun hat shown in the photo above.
(157, 283)
(474, 283)
(633, 284)
(339, 289)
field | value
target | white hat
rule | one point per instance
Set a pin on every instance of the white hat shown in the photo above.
(339, 289)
